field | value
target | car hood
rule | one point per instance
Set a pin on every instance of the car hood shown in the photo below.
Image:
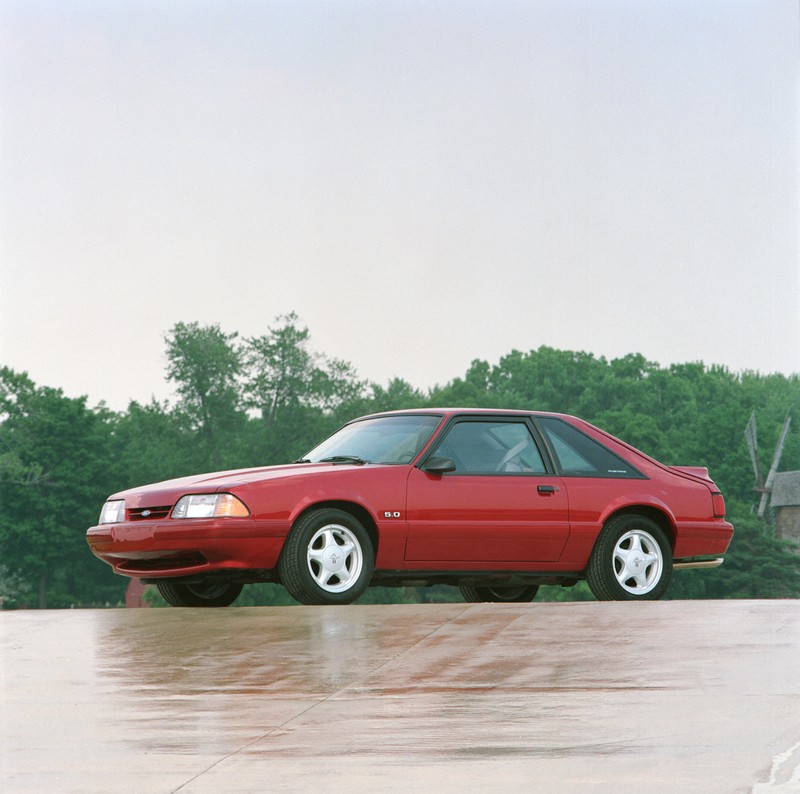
(167, 492)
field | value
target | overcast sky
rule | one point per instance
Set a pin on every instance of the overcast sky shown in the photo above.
(423, 182)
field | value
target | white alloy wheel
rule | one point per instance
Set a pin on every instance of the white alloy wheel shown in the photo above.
(335, 558)
(638, 562)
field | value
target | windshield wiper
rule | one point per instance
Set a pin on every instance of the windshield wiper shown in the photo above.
(302, 460)
(345, 459)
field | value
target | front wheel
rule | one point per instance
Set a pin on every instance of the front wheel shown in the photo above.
(327, 558)
(211, 593)
(631, 561)
(508, 595)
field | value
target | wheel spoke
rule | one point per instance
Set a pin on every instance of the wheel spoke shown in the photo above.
(623, 575)
(325, 576)
(651, 559)
(328, 537)
(636, 542)
(315, 555)
(641, 580)
(621, 565)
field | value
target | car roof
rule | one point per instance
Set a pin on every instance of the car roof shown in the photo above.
(465, 411)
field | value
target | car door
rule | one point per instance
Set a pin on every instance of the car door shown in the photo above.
(500, 504)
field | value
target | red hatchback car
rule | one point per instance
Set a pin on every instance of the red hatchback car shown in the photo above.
(494, 502)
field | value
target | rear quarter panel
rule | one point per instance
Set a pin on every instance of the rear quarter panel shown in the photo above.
(683, 501)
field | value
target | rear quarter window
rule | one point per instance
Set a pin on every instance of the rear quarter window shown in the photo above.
(578, 455)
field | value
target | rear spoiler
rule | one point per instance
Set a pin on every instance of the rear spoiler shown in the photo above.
(701, 473)
(696, 471)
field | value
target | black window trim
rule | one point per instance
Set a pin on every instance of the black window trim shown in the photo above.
(634, 473)
(526, 419)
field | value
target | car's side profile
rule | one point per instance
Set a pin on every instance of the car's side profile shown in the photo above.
(494, 502)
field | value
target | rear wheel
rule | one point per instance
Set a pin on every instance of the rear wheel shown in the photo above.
(327, 559)
(631, 561)
(510, 595)
(211, 593)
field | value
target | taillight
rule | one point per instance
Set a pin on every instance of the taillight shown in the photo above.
(718, 504)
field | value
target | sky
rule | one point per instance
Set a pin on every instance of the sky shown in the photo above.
(425, 182)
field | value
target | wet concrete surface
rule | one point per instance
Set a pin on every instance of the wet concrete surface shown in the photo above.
(658, 697)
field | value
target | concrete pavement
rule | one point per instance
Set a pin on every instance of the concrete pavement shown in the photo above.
(657, 697)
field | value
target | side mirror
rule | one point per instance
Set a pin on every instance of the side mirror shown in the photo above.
(437, 465)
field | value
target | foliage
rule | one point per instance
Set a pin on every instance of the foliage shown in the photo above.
(64, 449)
(204, 364)
(294, 390)
(14, 589)
(757, 565)
(267, 399)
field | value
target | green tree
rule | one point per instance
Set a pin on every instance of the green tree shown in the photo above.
(757, 565)
(295, 391)
(156, 442)
(205, 363)
(63, 450)
(268, 399)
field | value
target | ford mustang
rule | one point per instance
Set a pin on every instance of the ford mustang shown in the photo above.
(494, 502)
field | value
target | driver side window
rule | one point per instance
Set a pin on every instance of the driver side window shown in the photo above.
(492, 448)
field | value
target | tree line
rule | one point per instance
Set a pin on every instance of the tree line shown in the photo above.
(252, 401)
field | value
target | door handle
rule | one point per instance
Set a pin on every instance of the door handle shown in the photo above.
(546, 489)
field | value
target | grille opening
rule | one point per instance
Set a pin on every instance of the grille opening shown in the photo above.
(148, 513)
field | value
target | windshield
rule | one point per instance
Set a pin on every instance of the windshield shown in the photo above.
(384, 439)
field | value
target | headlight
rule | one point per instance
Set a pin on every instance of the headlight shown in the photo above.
(210, 505)
(113, 512)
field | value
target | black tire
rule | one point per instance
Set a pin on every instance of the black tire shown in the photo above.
(507, 595)
(211, 593)
(631, 561)
(327, 558)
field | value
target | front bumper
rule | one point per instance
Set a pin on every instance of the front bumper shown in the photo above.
(171, 548)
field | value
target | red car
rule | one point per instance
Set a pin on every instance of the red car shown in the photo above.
(495, 502)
